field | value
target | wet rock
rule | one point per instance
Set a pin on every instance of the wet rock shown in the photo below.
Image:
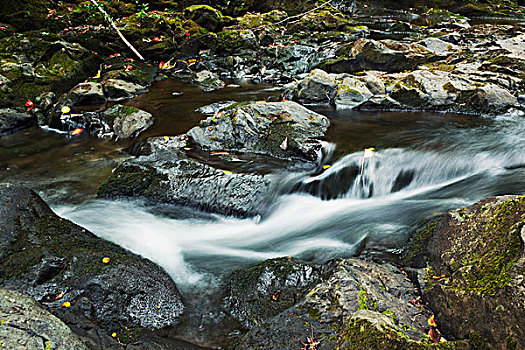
(279, 129)
(208, 79)
(127, 121)
(163, 173)
(231, 41)
(119, 89)
(268, 288)
(390, 56)
(420, 90)
(26, 325)
(438, 46)
(317, 87)
(352, 93)
(521, 100)
(213, 108)
(477, 255)
(355, 297)
(53, 260)
(86, 94)
(12, 120)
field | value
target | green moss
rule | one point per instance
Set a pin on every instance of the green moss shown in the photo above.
(417, 245)
(489, 266)
(359, 334)
(134, 181)
(21, 256)
(314, 313)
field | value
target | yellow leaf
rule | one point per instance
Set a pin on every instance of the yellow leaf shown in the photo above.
(66, 304)
(113, 334)
(187, 149)
(326, 166)
(431, 321)
(227, 172)
(166, 138)
(369, 152)
(106, 260)
(65, 110)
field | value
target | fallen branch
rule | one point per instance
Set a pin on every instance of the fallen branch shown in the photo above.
(117, 30)
(296, 16)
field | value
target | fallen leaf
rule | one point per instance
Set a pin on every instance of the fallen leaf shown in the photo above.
(284, 144)
(106, 260)
(326, 166)
(29, 105)
(432, 322)
(59, 296)
(438, 277)
(65, 110)
(226, 172)
(77, 131)
(114, 335)
(66, 304)
(166, 138)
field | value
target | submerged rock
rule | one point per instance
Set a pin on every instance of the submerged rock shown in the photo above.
(279, 129)
(26, 325)
(476, 256)
(55, 261)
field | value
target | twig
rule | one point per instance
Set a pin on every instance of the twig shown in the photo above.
(117, 30)
(296, 16)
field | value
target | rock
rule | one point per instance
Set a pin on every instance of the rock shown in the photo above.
(43, 255)
(205, 16)
(268, 288)
(231, 41)
(357, 304)
(385, 55)
(119, 89)
(128, 121)
(479, 253)
(352, 93)
(213, 108)
(208, 79)
(283, 130)
(26, 325)
(12, 121)
(86, 94)
(438, 46)
(521, 100)
(419, 90)
(317, 87)
(163, 173)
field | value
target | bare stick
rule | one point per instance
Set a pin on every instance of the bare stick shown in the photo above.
(117, 30)
(296, 16)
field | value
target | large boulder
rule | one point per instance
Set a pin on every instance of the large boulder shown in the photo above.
(116, 89)
(61, 265)
(317, 87)
(356, 304)
(26, 325)
(280, 129)
(86, 94)
(205, 16)
(476, 273)
(163, 173)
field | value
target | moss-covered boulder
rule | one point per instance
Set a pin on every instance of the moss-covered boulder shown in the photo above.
(476, 270)
(233, 41)
(321, 21)
(205, 16)
(93, 285)
(354, 305)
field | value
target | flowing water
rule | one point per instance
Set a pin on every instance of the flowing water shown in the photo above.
(424, 164)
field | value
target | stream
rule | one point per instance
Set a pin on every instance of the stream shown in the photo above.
(424, 164)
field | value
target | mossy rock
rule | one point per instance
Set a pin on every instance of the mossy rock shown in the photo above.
(475, 257)
(205, 16)
(231, 41)
(321, 21)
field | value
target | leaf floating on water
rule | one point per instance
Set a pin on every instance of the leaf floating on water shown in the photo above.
(227, 172)
(77, 132)
(284, 145)
(326, 166)
(66, 304)
(106, 260)
(369, 152)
